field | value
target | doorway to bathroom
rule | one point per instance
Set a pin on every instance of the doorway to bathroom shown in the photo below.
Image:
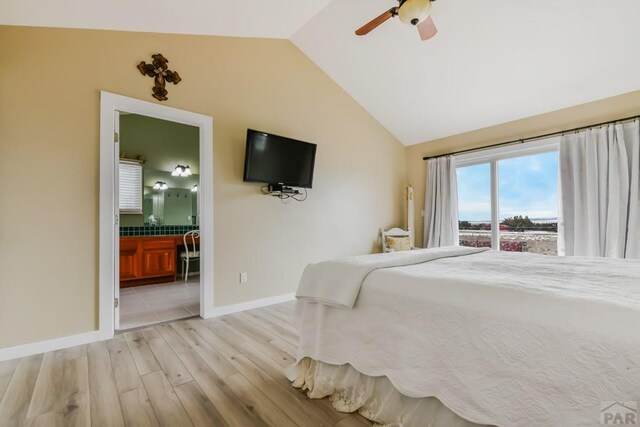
(159, 177)
(156, 183)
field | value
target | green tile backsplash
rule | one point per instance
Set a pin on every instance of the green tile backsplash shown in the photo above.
(156, 230)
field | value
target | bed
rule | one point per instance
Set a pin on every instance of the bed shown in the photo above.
(466, 336)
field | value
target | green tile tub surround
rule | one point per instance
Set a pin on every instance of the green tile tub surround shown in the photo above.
(156, 230)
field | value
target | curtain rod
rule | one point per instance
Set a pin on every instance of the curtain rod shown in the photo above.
(532, 138)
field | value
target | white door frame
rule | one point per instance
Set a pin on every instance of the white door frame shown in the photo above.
(108, 276)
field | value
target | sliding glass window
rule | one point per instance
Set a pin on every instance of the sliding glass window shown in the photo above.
(474, 205)
(508, 197)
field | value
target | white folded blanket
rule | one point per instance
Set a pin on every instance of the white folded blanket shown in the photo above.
(337, 282)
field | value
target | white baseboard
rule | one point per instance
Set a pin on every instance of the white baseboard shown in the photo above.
(248, 305)
(24, 350)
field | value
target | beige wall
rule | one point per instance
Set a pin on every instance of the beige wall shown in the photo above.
(580, 115)
(49, 102)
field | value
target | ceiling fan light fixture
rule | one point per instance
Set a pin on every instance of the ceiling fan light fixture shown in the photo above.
(414, 11)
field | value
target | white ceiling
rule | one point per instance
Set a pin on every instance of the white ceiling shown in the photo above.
(245, 18)
(492, 61)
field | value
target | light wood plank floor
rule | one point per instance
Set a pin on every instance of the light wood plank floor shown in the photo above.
(226, 371)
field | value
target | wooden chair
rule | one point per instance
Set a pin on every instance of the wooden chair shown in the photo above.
(189, 254)
(394, 232)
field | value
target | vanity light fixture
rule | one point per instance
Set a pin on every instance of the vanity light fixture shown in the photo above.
(181, 171)
(195, 188)
(160, 185)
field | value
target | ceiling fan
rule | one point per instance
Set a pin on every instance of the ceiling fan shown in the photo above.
(414, 12)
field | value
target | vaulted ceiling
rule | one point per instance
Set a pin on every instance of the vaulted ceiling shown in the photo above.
(492, 61)
(246, 18)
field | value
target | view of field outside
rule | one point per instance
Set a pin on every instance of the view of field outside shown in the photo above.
(528, 200)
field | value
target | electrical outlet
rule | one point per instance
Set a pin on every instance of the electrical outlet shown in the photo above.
(243, 278)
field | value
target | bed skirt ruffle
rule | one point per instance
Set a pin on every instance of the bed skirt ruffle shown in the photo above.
(375, 398)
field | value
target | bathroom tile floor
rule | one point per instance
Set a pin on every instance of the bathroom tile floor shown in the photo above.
(144, 305)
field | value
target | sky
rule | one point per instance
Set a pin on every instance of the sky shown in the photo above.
(527, 185)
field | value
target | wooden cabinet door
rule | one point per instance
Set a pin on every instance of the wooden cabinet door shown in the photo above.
(129, 260)
(158, 262)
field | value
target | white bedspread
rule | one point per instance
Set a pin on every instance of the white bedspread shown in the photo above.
(337, 282)
(500, 338)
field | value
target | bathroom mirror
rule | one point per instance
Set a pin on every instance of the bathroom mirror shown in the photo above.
(175, 205)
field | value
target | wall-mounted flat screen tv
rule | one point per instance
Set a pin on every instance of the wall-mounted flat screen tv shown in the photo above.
(273, 159)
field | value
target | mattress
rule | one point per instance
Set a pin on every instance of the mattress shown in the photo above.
(499, 338)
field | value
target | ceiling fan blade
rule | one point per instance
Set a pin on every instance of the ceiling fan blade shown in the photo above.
(427, 29)
(366, 28)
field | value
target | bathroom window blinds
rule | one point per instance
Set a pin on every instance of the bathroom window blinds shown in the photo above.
(130, 190)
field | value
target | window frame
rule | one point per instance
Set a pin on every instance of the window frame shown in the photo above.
(492, 156)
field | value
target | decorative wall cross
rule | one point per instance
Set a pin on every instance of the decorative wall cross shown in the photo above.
(159, 70)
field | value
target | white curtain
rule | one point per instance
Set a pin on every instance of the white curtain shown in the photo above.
(441, 203)
(600, 192)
